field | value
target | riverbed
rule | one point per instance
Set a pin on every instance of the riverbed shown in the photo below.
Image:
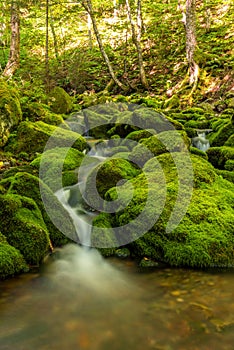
(81, 301)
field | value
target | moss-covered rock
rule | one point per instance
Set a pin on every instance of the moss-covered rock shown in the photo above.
(230, 141)
(155, 145)
(58, 163)
(32, 137)
(140, 134)
(59, 100)
(218, 156)
(105, 176)
(198, 152)
(222, 133)
(24, 227)
(225, 174)
(205, 235)
(10, 111)
(30, 186)
(11, 261)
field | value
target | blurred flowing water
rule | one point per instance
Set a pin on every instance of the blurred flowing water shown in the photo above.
(81, 301)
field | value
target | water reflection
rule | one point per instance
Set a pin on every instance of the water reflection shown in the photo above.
(83, 302)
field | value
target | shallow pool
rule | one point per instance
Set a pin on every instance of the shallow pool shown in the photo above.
(81, 301)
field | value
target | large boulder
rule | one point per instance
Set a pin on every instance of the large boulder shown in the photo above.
(23, 226)
(205, 235)
(11, 260)
(27, 185)
(32, 137)
(10, 111)
(59, 100)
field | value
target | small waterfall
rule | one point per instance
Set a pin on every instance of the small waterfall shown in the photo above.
(200, 141)
(71, 197)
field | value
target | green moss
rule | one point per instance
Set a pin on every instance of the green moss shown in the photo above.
(27, 185)
(198, 152)
(32, 137)
(10, 111)
(11, 261)
(225, 174)
(229, 165)
(60, 102)
(140, 134)
(218, 156)
(219, 137)
(172, 102)
(105, 176)
(197, 124)
(204, 237)
(104, 240)
(56, 163)
(24, 228)
(230, 141)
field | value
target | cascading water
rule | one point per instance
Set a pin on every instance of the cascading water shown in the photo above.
(200, 141)
(72, 200)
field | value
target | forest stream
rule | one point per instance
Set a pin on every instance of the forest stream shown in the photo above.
(81, 301)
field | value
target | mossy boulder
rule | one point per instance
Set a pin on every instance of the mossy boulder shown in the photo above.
(166, 141)
(24, 227)
(11, 260)
(105, 176)
(32, 137)
(198, 152)
(221, 133)
(205, 235)
(230, 141)
(140, 134)
(32, 187)
(10, 111)
(59, 100)
(59, 162)
(218, 156)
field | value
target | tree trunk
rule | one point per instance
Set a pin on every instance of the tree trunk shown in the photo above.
(14, 56)
(47, 69)
(190, 26)
(87, 4)
(136, 37)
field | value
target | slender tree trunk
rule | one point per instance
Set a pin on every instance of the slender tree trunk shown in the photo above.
(136, 37)
(14, 56)
(190, 26)
(87, 4)
(47, 69)
(56, 51)
(89, 23)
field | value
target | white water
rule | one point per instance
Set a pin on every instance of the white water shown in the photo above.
(81, 217)
(201, 141)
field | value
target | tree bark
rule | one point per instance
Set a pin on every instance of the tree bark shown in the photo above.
(14, 55)
(87, 4)
(136, 38)
(190, 26)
